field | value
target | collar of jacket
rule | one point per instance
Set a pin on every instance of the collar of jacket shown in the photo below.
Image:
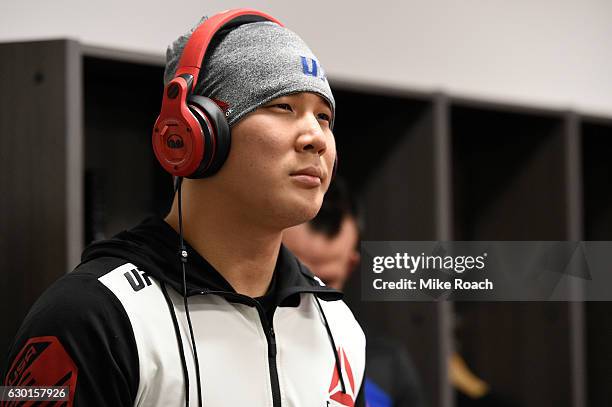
(153, 246)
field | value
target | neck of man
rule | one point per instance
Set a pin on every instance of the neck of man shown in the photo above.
(242, 251)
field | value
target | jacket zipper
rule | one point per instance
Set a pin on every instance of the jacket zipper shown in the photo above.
(270, 338)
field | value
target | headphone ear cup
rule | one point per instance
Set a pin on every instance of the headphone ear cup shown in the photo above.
(216, 133)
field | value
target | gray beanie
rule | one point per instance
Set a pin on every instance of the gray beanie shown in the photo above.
(252, 65)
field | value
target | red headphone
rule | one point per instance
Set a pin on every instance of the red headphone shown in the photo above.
(191, 136)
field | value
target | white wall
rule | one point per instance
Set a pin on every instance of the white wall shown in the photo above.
(555, 53)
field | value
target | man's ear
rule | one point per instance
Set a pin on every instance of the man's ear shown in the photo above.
(353, 262)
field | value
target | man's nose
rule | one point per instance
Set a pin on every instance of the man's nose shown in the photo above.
(311, 137)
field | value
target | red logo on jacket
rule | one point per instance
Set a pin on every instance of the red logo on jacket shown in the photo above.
(42, 361)
(335, 388)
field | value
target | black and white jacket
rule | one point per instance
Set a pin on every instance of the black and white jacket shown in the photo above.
(116, 332)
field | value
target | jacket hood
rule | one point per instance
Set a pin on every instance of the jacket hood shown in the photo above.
(153, 246)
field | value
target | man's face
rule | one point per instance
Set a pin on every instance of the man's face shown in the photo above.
(330, 259)
(280, 161)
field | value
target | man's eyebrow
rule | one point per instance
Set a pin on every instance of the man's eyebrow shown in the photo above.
(321, 102)
(324, 103)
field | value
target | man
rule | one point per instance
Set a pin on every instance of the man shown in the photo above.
(227, 317)
(328, 246)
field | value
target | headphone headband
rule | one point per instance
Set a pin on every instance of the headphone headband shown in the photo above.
(191, 136)
(195, 49)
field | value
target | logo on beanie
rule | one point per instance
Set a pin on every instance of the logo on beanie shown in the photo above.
(311, 67)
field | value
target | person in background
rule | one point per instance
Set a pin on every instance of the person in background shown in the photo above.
(328, 246)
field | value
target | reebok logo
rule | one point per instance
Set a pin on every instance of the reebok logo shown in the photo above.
(336, 397)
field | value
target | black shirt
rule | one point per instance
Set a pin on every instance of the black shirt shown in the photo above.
(268, 300)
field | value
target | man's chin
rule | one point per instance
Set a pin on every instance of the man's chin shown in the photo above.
(298, 215)
(294, 209)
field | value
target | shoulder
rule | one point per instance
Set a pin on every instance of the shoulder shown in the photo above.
(78, 328)
(79, 293)
(98, 294)
(79, 305)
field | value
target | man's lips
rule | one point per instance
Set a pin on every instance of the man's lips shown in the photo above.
(311, 171)
(310, 176)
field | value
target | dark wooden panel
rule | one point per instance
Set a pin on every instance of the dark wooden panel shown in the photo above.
(122, 101)
(508, 176)
(597, 170)
(388, 156)
(577, 309)
(35, 130)
(521, 349)
(597, 194)
(510, 183)
(598, 353)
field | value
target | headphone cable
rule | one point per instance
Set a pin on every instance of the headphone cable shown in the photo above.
(183, 256)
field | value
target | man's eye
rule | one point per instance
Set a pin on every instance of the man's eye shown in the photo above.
(324, 116)
(283, 106)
